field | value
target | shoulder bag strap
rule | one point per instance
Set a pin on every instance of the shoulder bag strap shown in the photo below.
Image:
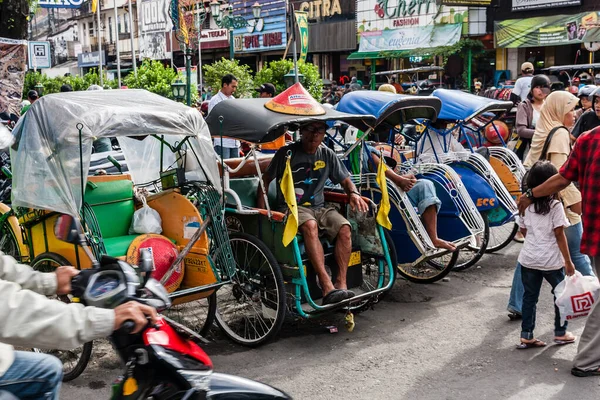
(549, 140)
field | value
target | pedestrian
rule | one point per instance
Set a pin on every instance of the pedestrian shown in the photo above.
(386, 87)
(589, 120)
(528, 113)
(266, 90)
(225, 147)
(397, 86)
(583, 166)
(543, 255)
(585, 101)
(32, 97)
(523, 84)
(66, 88)
(354, 85)
(551, 141)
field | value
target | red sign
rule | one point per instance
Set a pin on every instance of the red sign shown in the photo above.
(251, 42)
(272, 39)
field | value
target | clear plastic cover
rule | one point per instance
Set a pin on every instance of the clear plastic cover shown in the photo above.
(47, 163)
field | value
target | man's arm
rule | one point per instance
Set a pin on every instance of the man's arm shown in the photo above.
(26, 277)
(522, 123)
(551, 186)
(356, 200)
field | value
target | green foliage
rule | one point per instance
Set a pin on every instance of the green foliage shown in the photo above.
(274, 72)
(154, 77)
(214, 72)
(52, 85)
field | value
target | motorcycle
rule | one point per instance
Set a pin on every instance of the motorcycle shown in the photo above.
(161, 361)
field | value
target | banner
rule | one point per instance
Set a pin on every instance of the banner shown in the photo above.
(519, 5)
(410, 38)
(13, 55)
(302, 19)
(60, 3)
(548, 31)
(480, 3)
(154, 22)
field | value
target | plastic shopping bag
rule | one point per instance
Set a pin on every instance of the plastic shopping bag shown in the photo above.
(576, 295)
(145, 220)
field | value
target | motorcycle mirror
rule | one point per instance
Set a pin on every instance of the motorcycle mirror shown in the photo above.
(146, 265)
(67, 229)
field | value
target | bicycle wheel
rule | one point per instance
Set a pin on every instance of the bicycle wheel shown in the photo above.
(75, 360)
(472, 253)
(251, 309)
(429, 271)
(198, 315)
(375, 274)
(8, 241)
(501, 236)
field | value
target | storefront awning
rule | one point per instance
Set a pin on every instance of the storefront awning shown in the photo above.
(371, 55)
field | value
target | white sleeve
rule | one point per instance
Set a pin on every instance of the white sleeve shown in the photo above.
(517, 89)
(559, 218)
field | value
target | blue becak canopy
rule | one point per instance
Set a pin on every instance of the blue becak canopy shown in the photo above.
(461, 106)
(391, 109)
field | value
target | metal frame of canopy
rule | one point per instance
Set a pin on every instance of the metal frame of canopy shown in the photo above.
(416, 71)
(573, 67)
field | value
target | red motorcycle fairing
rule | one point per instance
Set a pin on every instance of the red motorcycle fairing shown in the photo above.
(164, 335)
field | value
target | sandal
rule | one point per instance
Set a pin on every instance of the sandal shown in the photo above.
(585, 373)
(529, 345)
(514, 316)
(567, 338)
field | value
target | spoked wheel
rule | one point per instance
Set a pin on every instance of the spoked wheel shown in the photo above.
(375, 274)
(8, 241)
(198, 315)
(251, 309)
(429, 271)
(473, 252)
(75, 360)
(501, 236)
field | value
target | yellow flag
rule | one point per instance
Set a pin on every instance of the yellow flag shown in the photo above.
(94, 5)
(384, 207)
(287, 189)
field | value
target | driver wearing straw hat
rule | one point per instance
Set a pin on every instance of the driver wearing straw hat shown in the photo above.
(312, 164)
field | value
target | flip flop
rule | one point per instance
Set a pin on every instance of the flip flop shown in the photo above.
(531, 345)
(583, 373)
(560, 342)
(335, 296)
(349, 294)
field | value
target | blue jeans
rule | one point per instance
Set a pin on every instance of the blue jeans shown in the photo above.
(228, 152)
(532, 282)
(581, 261)
(33, 376)
(422, 195)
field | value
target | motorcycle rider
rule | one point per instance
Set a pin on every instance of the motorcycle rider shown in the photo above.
(589, 120)
(585, 100)
(30, 319)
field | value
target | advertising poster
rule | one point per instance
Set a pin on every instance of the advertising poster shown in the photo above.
(302, 19)
(410, 38)
(154, 23)
(520, 5)
(13, 55)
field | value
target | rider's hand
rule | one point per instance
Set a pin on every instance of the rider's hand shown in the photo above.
(136, 312)
(524, 202)
(357, 203)
(569, 268)
(63, 279)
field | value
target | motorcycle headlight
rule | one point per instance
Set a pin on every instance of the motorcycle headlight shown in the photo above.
(199, 380)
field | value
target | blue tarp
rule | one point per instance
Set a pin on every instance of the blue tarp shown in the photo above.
(389, 108)
(461, 106)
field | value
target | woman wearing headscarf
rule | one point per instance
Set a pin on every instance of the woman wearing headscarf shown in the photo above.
(528, 113)
(556, 118)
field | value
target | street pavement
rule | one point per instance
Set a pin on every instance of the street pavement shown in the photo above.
(449, 340)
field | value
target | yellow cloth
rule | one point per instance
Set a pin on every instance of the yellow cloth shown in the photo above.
(552, 114)
(94, 5)
(289, 194)
(383, 218)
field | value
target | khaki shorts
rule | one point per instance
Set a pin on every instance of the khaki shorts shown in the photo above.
(329, 220)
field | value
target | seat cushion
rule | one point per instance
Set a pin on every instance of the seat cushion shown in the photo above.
(118, 246)
(113, 205)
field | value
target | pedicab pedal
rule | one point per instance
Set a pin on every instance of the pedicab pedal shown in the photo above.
(350, 321)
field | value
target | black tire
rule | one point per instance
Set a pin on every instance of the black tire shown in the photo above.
(8, 241)
(198, 315)
(261, 278)
(501, 236)
(429, 271)
(371, 281)
(77, 358)
(471, 254)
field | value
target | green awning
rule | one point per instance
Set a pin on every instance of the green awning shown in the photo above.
(370, 55)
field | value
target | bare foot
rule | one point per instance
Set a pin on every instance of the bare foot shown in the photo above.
(442, 244)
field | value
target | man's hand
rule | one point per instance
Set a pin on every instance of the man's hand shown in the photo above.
(569, 268)
(407, 182)
(64, 275)
(357, 203)
(524, 202)
(136, 312)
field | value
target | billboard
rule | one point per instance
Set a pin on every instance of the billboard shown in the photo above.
(154, 23)
(519, 5)
(265, 33)
(13, 54)
(60, 3)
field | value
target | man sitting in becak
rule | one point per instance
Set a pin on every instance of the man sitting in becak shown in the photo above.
(421, 194)
(312, 164)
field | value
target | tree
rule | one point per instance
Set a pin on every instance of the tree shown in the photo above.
(15, 15)
(275, 71)
(214, 72)
(154, 77)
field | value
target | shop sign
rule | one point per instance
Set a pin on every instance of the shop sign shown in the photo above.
(548, 31)
(154, 22)
(321, 8)
(377, 15)
(60, 3)
(480, 3)
(89, 59)
(410, 38)
(39, 55)
(519, 5)
(265, 33)
(213, 35)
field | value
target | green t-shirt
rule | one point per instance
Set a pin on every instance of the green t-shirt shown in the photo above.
(24, 109)
(310, 173)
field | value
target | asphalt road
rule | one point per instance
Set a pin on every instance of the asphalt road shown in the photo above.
(448, 340)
